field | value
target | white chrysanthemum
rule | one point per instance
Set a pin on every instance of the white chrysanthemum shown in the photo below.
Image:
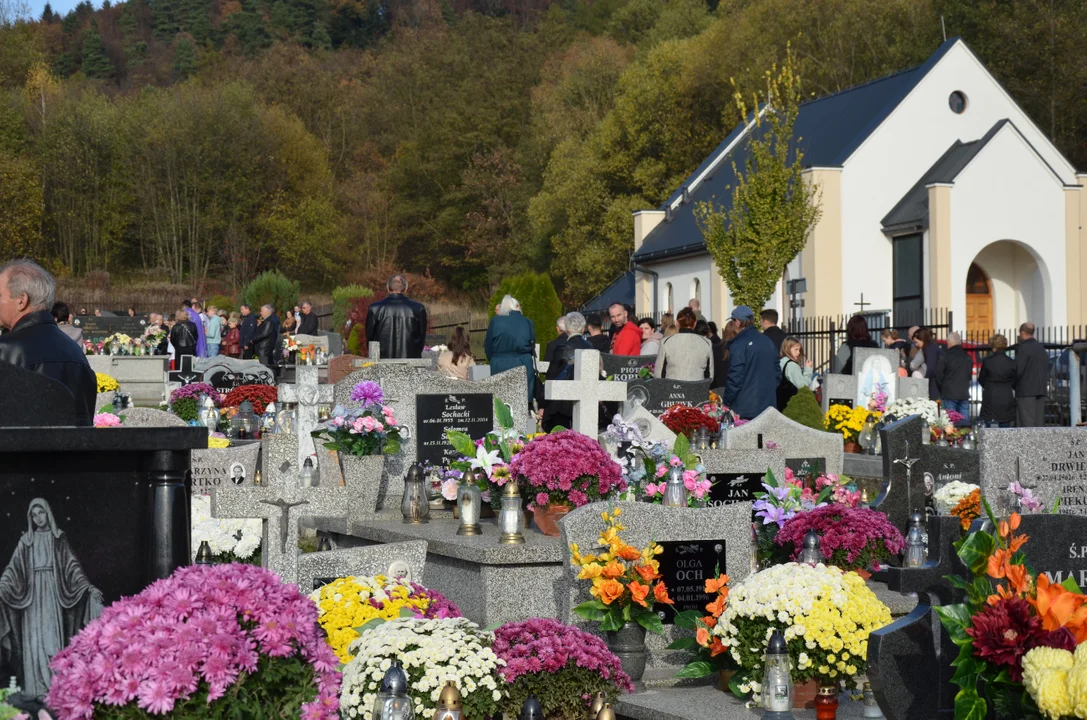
(240, 537)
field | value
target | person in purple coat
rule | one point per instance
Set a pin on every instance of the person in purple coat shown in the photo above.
(201, 338)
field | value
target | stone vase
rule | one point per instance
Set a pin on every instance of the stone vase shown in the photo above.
(364, 471)
(628, 644)
(547, 518)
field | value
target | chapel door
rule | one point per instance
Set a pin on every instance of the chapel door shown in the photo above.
(979, 304)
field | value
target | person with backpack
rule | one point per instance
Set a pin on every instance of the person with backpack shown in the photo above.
(795, 371)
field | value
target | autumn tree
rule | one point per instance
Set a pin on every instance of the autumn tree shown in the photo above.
(773, 208)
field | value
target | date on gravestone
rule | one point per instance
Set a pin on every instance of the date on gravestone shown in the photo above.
(470, 413)
(685, 565)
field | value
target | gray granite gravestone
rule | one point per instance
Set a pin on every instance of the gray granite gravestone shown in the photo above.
(657, 395)
(479, 372)
(1052, 462)
(820, 450)
(317, 341)
(729, 526)
(838, 390)
(282, 503)
(103, 399)
(222, 467)
(626, 368)
(334, 340)
(649, 425)
(225, 373)
(911, 387)
(307, 394)
(738, 474)
(403, 385)
(586, 391)
(404, 559)
(150, 417)
(430, 361)
(901, 448)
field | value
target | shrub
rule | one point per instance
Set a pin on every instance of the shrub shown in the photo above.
(559, 664)
(219, 641)
(357, 315)
(356, 341)
(342, 298)
(539, 301)
(804, 409)
(222, 302)
(270, 288)
(185, 408)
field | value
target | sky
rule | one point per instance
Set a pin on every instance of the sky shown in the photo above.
(59, 6)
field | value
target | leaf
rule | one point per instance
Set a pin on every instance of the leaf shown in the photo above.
(406, 612)
(392, 447)
(107, 408)
(557, 429)
(684, 643)
(651, 622)
(682, 446)
(1071, 585)
(955, 619)
(975, 551)
(696, 669)
(333, 446)
(370, 625)
(461, 442)
(734, 686)
(502, 414)
(688, 619)
(611, 622)
(968, 706)
(592, 610)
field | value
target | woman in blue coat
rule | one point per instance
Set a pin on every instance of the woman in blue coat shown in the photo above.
(511, 341)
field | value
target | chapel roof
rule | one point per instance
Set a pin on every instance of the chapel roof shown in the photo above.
(829, 129)
(620, 291)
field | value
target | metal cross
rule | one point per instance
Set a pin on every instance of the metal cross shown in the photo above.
(863, 305)
(908, 463)
(285, 509)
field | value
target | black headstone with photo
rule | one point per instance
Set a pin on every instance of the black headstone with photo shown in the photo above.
(657, 395)
(685, 565)
(471, 413)
(110, 505)
(185, 373)
(99, 328)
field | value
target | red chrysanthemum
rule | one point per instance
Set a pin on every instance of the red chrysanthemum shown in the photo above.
(684, 420)
(1004, 632)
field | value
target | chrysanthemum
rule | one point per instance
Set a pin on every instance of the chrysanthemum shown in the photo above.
(1004, 632)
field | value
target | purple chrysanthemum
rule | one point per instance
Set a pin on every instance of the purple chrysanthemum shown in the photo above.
(367, 392)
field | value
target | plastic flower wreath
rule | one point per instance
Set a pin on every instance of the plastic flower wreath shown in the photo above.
(658, 463)
(106, 383)
(1014, 630)
(626, 581)
(346, 606)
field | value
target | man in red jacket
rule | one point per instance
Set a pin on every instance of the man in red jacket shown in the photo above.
(626, 337)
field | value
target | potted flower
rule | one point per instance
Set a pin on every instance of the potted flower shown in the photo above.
(230, 540)
(951, 495)
(710, 654)
(560, 665)
(258, 395)
(626, 586)
(106, 383)
(562, 471)
(824, 613)
(209, 641)
(851, 538)
(658, 463)
(849, 422)
(1016, 631)
(431, 651)
(185, 401)
(346, 605)
(686, 420)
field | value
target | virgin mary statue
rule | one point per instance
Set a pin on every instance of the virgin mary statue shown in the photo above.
(45, 599)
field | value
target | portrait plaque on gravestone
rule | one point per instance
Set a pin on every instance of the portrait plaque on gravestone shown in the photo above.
(685, 565)
(471, 413)
(802, 467)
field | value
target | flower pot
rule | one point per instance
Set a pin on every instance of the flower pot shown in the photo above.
(724, 677)
(804, 694)
(364, 472)
(865, 575)
(852, 447)
(826, 702)
(628, 644)
(547, 518)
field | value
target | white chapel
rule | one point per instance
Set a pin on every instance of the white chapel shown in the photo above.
(937, 191)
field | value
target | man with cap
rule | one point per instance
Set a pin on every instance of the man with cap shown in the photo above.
(753, 369)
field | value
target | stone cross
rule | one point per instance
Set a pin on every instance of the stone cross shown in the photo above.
(374, 350)
(281, 503)
(308, 393)
(586, 391)
(185, 373)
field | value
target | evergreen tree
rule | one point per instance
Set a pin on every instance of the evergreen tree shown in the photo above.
(196, 20)
(96, 64)
(448, 14)
(106, 5)
(320, 39)
(279, 18)
(165, 19)
(184, 58)
(249, 28)
(47, 15)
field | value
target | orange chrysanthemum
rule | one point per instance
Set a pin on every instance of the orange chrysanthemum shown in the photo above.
(709, 621)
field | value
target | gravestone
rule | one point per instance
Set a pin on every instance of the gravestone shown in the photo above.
(586, 391)
(479, 372)
(335, 342)
(738, 474)
(402, 383)
(816, 450)
(226, 373)
(115, 503)
(223, 467)
(151, 417)
(404, 559)
(729, 526)
(186, 372)
(307, 394)
(470, 413)
(429, 362)
(341, 366)
(99, 328)
(902, 449)
(317, 341)
(626, 368)
(911, 387)
(1052, 462)
(21, 389)
(283, 504)
(940, 465)
(658, 395)
(649, 425)
(875, 370)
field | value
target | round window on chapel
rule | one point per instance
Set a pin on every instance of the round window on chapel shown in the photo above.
(957, 101)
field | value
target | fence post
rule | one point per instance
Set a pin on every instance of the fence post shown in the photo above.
(1074, 389)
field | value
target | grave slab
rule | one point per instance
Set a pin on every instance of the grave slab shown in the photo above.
(822, 450)
(320, 568)
(140, 376)
(1052, 462)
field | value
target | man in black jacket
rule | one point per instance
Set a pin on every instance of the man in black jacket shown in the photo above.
(768, 319)
(27, 293)
(397, 323)
(266, 341)
(308, 324)
(954, 371)
(1031, 379)
(247, 330)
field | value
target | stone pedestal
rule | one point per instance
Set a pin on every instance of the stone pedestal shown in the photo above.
(141, 376)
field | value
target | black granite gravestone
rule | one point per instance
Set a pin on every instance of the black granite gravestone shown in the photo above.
(901, 452)
(941, 465)
(21, 390)
(626, 368)
(685, 565)
(729, 488)
(99, 328)
(471, 413)
(185, 373)
(656, 396)
(110, 505)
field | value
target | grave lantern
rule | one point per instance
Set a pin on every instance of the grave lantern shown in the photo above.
(511, 518)
(607, 713)
(449, 703)
(811, 553)
(469, 500)
(531, 709)
(203, 553)
(675, 492)
(415, 504)
(777, 684)
(393, 702)
(243, 426)
(307, 476)
(915, 542)
(871, 707)
(598, 704)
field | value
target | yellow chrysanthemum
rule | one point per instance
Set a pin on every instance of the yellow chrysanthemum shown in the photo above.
(106, 383)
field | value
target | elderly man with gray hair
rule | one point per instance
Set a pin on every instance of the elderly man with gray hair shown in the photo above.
(560, 412)
(397, 323)
(27, 293)
(954, 371)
